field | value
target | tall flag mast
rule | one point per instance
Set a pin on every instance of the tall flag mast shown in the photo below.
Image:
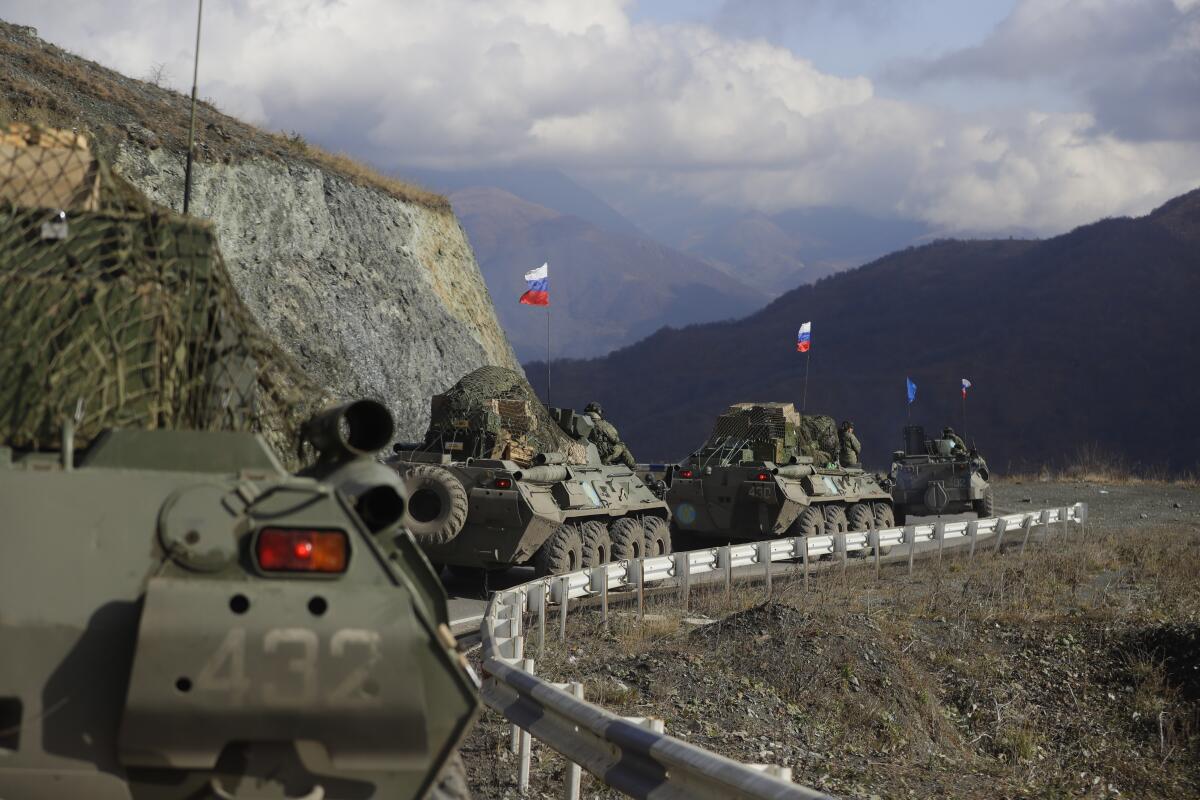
(187, 170)
(804, 345)
(537, 293)
(966, 384)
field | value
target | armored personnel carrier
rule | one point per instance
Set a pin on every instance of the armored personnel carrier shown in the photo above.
(180, 615)
(766, 471)
(501, 480)
(936, 476)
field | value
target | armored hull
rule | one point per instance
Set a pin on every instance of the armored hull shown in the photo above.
(184, 618)
(494, 513)
(765, 471)
(930, 478)
(755, 500)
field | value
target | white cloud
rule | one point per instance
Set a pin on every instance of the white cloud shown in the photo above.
(580, 86)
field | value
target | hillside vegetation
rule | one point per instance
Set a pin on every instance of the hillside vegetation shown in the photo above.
(1086, 340)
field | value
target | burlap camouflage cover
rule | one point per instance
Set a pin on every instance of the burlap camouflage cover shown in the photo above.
(115, 312)
(493, 412)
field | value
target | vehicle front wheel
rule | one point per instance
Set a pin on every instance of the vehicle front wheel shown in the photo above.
(597, 545)
(658, 536)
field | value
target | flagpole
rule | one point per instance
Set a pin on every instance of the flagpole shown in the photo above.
(964, 409)
(547, 354)
(804, 397)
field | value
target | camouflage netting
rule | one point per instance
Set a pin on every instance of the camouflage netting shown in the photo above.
(116, 312)
(775, 431)
(494, 413)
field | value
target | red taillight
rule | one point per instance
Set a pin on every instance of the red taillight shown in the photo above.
(291, 550)
(503, 483)
(686, 473)
(762, 476)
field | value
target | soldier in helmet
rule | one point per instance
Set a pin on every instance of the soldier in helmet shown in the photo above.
(850, 455)
(607, 440)
(960, 446)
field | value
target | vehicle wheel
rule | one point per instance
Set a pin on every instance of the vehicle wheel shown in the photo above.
(884, 518)
(860, 517)
(835, 519)
(658, 536)
(985, 506)
(597, 545)
(628, 539)
(562, 552)
(437, 504)
(811, 522)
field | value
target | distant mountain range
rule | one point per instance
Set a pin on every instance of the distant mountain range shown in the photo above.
(1090, 339)
(683, 262)
(607, 289)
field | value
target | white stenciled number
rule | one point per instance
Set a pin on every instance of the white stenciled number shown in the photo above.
(353, 691)
(225, 670)
(303, 644)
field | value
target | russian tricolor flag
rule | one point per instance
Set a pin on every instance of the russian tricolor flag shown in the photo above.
(804, 338)
(966, 385)
(538, 291)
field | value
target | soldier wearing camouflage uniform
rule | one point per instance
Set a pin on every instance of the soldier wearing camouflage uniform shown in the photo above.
(960, 447)
(608, 442)
(850, 447)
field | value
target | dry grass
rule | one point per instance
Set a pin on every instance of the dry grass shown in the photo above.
(1093, 463)
(1071, 671)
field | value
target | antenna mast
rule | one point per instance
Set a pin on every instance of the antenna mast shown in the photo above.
(187, 171)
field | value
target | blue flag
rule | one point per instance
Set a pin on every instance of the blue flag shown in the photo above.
(912, 390)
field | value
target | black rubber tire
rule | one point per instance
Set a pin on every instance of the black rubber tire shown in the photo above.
(597, 544)
(811, 522)
(835, 519)
(628, 538)
(986, 505)
(860, 517)
(437, 504)
(658, 536)
(562, 552)
(884, 518)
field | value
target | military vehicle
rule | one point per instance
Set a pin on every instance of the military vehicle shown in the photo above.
(180, 615)
(933, 476)
(766, 471)
(501, 480)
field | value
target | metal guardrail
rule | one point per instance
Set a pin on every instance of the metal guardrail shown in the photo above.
(635, 756)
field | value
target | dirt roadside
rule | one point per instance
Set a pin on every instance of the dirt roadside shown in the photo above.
(1071, 672)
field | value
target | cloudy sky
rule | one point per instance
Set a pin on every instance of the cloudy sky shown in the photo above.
(981, 115)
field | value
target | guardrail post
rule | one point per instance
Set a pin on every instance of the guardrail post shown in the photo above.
(725, 557)
(598, 582)
(574, 773)
(641, 586)
(1001, 527)
(839, 546)
(564, 599)
(939, 533)
(519, 658)
(910, 536)
(1062, 518)
(875, 546)
(802, 546)
(973, 533)
(764, 558)
(526, 743)
(1026, 526)
(683, 573)
(540, 609)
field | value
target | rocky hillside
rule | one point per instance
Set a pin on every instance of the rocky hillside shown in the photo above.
(368, 281)
(1086, 341)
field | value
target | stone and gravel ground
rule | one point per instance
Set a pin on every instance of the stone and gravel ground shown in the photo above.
(1071, 671)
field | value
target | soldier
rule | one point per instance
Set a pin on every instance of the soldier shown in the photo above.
(960, 446)
(607, 440)
(850, 447)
